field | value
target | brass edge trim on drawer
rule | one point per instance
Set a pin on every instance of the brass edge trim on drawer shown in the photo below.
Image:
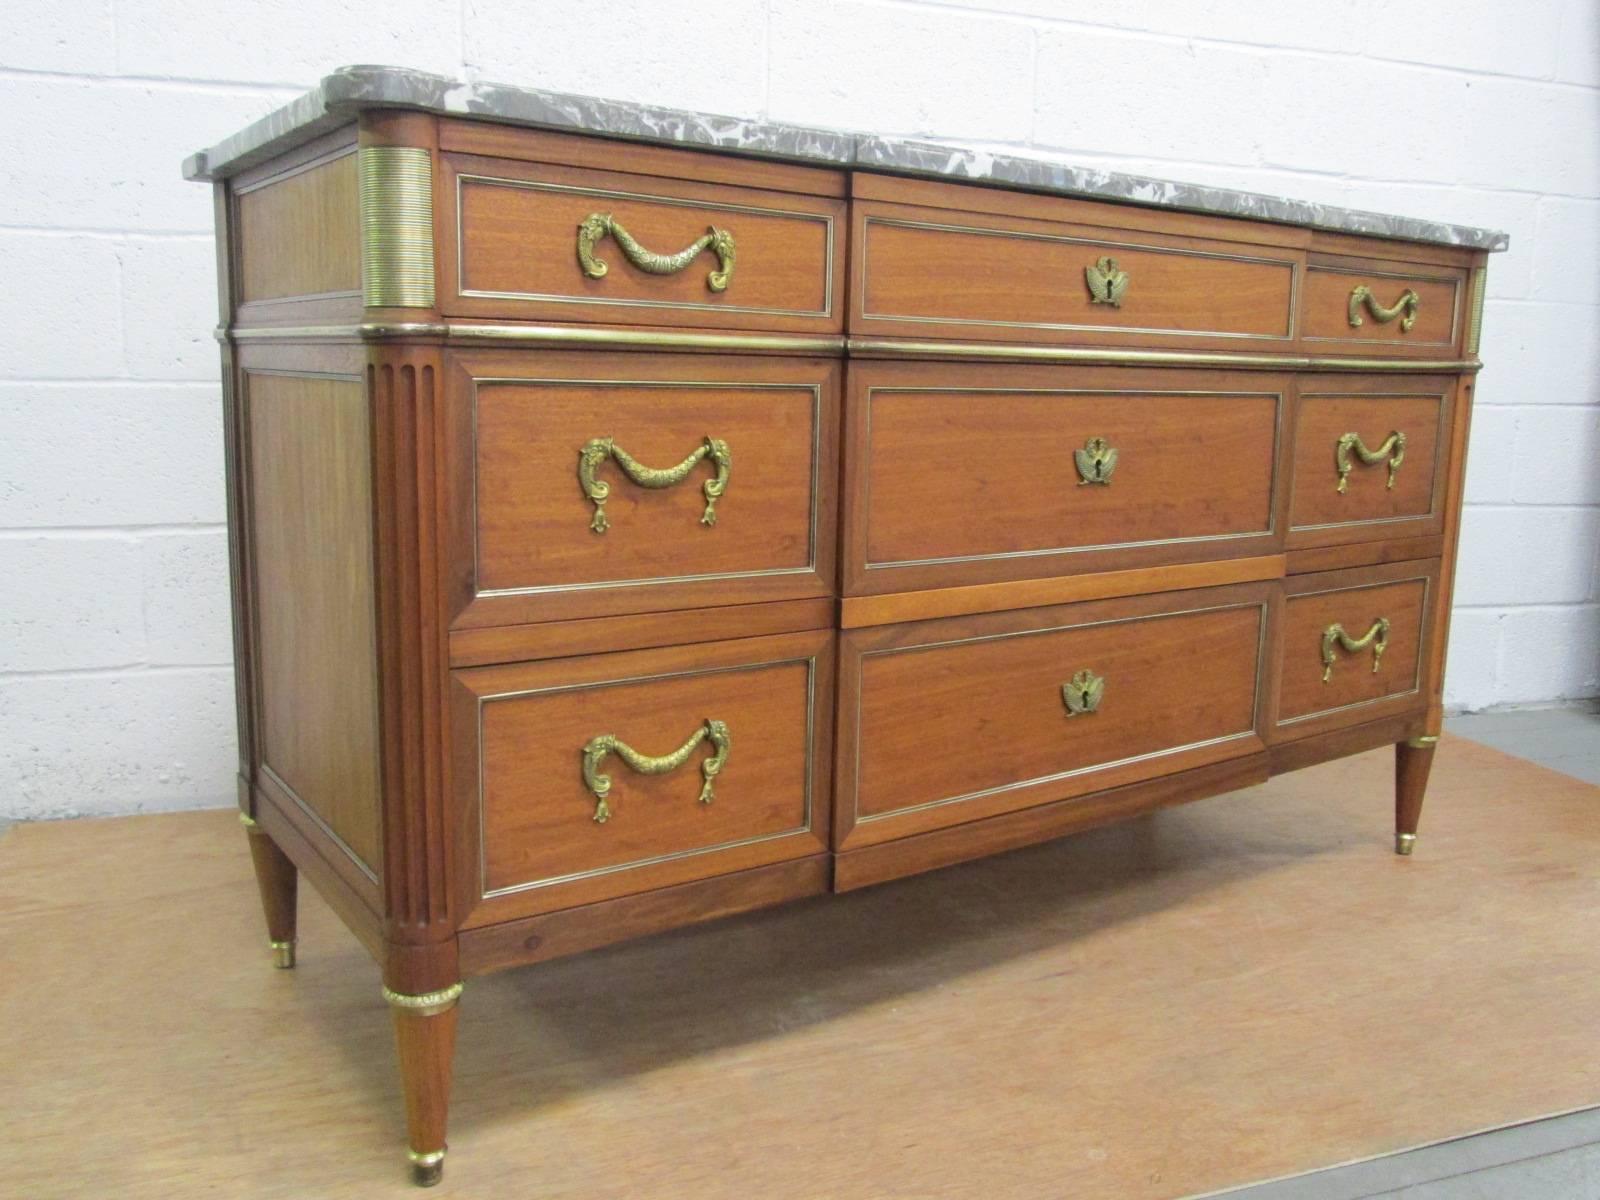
(826, 219)
(811, 564)
(1280, 405)
(1387, 697)
(1119, 356)
(832, 344)
(1255, 708)
(1027, 235)
(1454, 281)
(806, 818)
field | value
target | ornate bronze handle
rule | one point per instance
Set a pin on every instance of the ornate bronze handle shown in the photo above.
(1408, 304)
(596, 225)
(1081, 694)
(1334, 635)
(596, 749)
(596, 450)
(1106, 282)
(1393, 449)
(1095, 462)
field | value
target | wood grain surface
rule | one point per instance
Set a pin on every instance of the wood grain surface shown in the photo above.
(311, 535)
(1165, 1007)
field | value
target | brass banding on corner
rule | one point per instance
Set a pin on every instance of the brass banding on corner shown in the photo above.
(396, 185)
(427, 1004)
(1425, 741)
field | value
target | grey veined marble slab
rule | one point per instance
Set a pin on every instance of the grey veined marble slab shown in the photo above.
(342, 94)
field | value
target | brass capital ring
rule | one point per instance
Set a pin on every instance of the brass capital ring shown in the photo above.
(426, 1005)
(431, 1158)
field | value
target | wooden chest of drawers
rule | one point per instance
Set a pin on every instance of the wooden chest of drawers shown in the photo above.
(626, 535)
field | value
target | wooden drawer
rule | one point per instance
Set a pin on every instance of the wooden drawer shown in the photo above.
(1351, 645)
(1402, 426)
(556, 242)
(1368, 306)
(975, 474)
(530, 759)
(924, 272)
(943, 722)
(595, 484)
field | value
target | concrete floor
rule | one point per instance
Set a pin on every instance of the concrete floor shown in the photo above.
(1554, 1159)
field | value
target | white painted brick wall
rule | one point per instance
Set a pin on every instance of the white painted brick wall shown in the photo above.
(115, 685)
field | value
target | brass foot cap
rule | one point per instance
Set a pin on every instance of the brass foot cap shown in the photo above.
(283, 954)
(1404, 843)
(426, 1169)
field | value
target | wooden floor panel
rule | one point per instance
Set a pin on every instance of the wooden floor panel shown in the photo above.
(1239, 989)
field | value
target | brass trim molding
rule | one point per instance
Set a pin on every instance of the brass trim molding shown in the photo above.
(461, 332)
(428, 1004)
(1480, 286)
(396, 186)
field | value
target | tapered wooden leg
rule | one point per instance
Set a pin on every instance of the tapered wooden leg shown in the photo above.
(278, 882)
(425, 1032)
(1412, 761)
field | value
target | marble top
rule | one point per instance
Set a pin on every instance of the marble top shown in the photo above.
(346, 91)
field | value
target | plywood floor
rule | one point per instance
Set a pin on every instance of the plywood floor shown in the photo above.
(1245, 988)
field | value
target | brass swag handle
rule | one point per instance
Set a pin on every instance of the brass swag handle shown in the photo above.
(596, 749)
(596, 450)
(1095, 462)
(597, 225)
(1334, 635)
(1408, 304)
(1107, 282)
(1082, 693)
(1393, 449)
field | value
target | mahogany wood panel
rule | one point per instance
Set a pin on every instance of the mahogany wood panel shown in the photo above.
(1358, 554)
(595, 635)
(637, 158)
(574, 930)
(948, 721)
(994, 835)
(1325, 307)
(965, 474)
(311, 540)
(1369, 509)
(857, 611)
(514, 249)
(523, 546)
(1353, 691)
(933, 273)
(1342, 742)
(297, 237)
(525, 727)
(1006, 202)
(1454, 496)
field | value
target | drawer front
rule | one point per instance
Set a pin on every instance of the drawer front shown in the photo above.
(1351, 646)
(959, 475)
(1387, 308)
(1370, 459)
(588, 485)
(536, 240)
(597, 777)
(943, 722)
(935, 273)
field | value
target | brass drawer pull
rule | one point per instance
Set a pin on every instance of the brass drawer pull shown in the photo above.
(1408, 304)
(1334, 635)
(597, 225)
(596, 749)
(1393, 449)
(1082, 693)
(596, 450)
(1106, 282)
(1095, 462)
